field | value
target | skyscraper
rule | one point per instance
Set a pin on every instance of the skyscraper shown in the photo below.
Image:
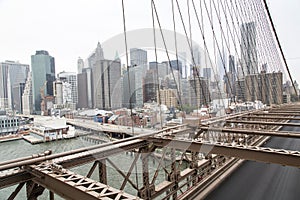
(222, 64)
(71, 78)
(267, 89)
(82, 90)
(96, 55)
(183, 60)
(128, 100)
(106, 78)
(161, 67)
(43, 76)
(85, 88)
(248, 48)
(13, 76)
(207, 73)
(232, 67)
(137, 71)
(230, 79)
(150, 86)
(175, 65)
(199, 92)
(196, 56)
(80, 65)
(27, 99)
(86, 76)
(138, 57)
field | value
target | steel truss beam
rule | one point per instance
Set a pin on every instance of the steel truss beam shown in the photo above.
(33, 190)
(269, 117)
(17, 190)
(101, 170)
(260, 154)
(72, 160)
(250, 132)
(69, 185)
(263, 123)
(122, 174)
(119, 144)
(99, 154)
(14, 177)
(275, 114)
(293, 112)
(74, 157)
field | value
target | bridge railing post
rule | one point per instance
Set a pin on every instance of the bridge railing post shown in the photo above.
(102, 171)
(33, 190)
(148, 189)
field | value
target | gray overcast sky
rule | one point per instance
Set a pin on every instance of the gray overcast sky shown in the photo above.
(71, 28)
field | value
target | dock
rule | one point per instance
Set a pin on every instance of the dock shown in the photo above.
(116, 131)
(96, 139)
(10, 138)
(31, 139)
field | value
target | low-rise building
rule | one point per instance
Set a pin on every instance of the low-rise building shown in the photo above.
(8, 125)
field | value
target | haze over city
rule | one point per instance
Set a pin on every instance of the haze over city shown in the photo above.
(149, 99)
(71, 29)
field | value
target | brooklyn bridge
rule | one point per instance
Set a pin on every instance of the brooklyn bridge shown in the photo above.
(199, 158)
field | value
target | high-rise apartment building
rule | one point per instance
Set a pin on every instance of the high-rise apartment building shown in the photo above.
(70, 78)
(13, 76)
(168, 97)
(267, 88)
(58, 92)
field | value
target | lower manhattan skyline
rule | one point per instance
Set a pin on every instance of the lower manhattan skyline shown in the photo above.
(149, 99)
(71, 33)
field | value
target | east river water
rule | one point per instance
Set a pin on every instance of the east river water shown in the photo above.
(20, 148)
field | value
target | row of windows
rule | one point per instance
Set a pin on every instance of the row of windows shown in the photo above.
(9, 125)
(8, 121)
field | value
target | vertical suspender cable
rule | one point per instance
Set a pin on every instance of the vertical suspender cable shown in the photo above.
(279, 45)
(127, 65)
(156, 60)
(176, 51)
